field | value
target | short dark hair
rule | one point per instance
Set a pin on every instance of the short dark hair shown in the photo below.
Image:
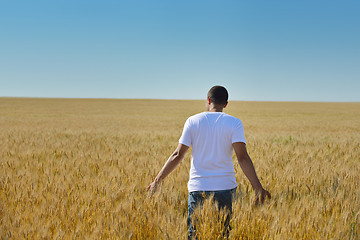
(218, 95)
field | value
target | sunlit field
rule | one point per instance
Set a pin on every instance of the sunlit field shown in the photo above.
(78, 169)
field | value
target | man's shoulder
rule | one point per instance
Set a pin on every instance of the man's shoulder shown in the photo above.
(202, 116)
(197, 116)
(231, 118)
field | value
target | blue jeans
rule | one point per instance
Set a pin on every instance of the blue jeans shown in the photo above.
(224, 200)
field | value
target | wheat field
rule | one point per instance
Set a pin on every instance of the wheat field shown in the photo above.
(78, 169)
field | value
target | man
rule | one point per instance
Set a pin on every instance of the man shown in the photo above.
(213, 136)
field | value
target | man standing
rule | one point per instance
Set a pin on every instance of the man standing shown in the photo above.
(213, 136)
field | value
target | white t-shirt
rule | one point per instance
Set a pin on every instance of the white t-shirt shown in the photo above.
(211, 135)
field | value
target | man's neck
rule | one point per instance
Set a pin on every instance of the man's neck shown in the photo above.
(213, 109)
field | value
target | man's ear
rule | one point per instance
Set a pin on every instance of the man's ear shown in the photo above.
(208, 100)
(226, 104)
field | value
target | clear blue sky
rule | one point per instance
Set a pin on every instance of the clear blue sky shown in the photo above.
(306, 50)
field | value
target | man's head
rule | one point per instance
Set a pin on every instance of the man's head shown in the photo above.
(218, 97)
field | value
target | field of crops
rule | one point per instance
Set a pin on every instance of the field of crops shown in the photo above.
(78, 169)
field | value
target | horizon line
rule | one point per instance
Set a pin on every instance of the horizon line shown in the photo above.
(174, 99)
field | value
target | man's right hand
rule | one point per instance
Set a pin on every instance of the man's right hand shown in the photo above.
(152, 187)
(261, 195)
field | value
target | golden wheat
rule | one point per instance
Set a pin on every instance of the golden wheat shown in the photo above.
(78, 168)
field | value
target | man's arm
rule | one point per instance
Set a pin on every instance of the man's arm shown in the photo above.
(169, 166)
(248, 168)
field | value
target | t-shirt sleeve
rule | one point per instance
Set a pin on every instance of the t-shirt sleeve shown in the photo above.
(238, 133)
(185, 138)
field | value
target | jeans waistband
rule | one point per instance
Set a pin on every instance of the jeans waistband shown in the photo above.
(217, 191)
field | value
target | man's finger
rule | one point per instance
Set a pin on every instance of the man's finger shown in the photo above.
(269, 195)
(256, 201)
(261, 197)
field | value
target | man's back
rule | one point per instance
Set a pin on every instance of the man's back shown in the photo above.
(211, 135)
